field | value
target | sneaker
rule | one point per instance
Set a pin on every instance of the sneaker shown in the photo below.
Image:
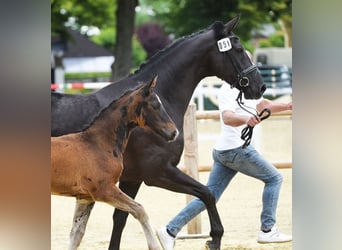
(166, 240)
(274, 236)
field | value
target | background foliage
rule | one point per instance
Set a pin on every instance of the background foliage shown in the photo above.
(157, 23)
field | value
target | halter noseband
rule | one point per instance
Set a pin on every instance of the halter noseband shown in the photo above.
(243, 80)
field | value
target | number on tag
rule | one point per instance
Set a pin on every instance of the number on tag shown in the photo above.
(224, 44)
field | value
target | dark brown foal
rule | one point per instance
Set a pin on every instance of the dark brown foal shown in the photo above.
(83, 165)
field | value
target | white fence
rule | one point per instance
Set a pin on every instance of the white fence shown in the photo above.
(207, 89)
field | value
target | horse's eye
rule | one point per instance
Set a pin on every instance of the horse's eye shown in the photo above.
(239, 49)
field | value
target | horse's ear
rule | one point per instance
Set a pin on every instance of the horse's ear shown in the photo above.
(228, 27)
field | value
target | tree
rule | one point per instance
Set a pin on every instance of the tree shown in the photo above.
(179, 17)
(100, 13)
(281, 12)
(107, 39)
(182, 17)
(152, 38)
(78, 14)
(125, 15)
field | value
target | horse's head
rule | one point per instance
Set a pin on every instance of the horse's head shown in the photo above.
(232, 62)
(152, 114)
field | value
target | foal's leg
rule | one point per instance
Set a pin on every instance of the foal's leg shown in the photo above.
(81, 216)
(120, 217)
(120, 200)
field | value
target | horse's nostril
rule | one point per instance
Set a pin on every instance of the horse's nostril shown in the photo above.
(175, 134)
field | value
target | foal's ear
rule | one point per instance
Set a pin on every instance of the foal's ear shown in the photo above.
(231, 24)
(149, 87)
(153, 82)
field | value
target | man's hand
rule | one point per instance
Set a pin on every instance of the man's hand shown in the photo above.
(253, 120)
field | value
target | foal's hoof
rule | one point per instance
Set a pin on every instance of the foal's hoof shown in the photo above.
(209, 245)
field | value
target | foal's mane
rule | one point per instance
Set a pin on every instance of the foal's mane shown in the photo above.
(112, 105)
(217, 26)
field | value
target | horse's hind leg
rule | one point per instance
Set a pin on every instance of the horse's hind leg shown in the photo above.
(120, 216)
(120, 200)
(79, 223)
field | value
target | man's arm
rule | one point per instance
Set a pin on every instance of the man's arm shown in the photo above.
(273, 106)
(235, 120)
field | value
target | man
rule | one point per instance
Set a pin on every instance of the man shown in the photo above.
(230, 158)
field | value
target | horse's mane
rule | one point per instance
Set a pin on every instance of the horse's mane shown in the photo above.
(217, 26)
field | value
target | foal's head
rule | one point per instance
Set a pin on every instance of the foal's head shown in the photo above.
(151, 113)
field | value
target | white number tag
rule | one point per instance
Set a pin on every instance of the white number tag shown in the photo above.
(224, 44)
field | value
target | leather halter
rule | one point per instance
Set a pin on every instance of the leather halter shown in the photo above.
(242, 76)
(243, 79)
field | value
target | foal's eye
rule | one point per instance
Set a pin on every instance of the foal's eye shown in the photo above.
(155, 103)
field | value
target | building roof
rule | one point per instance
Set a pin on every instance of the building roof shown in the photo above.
(79, 46)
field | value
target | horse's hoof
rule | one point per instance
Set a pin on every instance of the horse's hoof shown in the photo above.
(209, 245)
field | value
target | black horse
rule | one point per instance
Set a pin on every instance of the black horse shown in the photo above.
(215, 51)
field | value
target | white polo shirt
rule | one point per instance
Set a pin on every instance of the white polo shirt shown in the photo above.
(230, 136)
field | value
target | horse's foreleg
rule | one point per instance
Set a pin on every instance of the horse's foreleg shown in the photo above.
(81, 216)
(115, 197)
(175, 180)
(120, 217)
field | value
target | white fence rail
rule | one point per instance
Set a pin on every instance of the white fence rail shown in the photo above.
(207, 89)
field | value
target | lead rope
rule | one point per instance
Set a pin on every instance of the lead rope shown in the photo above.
(247, 132)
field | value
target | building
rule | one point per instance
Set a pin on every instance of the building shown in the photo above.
(77, 55)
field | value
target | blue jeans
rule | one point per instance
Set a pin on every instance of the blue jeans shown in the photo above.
(226, 164)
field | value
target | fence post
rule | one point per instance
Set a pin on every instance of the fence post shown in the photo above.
(191, 159)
